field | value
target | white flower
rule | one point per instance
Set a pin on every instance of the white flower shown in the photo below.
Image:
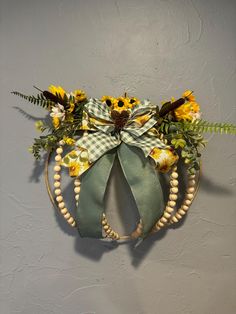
(58, 112)
(195, 115)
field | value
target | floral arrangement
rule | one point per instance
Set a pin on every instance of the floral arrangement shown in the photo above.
(140, 133)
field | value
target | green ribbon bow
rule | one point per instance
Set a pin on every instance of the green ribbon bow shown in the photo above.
(132, 144)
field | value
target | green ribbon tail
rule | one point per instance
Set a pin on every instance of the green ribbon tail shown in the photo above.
(144, 183)
(91, 201)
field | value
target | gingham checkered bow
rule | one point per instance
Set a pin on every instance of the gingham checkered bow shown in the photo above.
(104, 136)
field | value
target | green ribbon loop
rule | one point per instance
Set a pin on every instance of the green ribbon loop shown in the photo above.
(142, 179)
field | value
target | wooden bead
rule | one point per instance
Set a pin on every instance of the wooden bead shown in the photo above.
(160, 224)
(57, 191)
(73, 223)
(59, 150)
(64, 211)
(77, 197)
(57, 177)
(174, 190)
(171, 203)
(174, 175)
(174, 183)
(67, 216)
(191, 182)
(190, 190)
(61, 205)
(57, 168)
(164, 220)
(192, 176)
(77, 182)
(166, 215)
(58, 158)
(174, 219)
(62, 142)
(77, 189)
(187, 202)
(84, 155)
(185, 207)
(70, 220)
(169, 209)
(189, 196)
(106, 227)
(57, 184)
(59, 198)
(178, 216)
(173, 197)
(181, 212)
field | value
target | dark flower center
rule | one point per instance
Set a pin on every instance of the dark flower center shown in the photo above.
(120, 103)
(108, 102)
(132, 100)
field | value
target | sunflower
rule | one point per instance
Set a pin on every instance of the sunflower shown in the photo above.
(80, 95)
(57, 91)
(56, 122)
(74, 168)
(68, 140)
(121, 104)
(134, 101)
(188, 111)
(188, 95)
(109, 100)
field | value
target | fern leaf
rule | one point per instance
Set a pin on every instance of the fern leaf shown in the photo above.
(39, 100)
(202, 126)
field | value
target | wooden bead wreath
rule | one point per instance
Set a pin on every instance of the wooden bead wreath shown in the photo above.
(170, 216)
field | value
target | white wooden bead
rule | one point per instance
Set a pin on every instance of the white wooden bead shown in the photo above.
(67, 216)
(173, 197)
(64, 211)
(105, 227)
(77, 189)
(70, 220)
(57, 168)
(77, 197)
(171, 203)
(192, 176)
(61, 205)
(174, 190)
(164, 220)
(174, 175)
(174, 219)
(166, 215)
(182, 212)
(169, 209)
(190, 190)
(187, 202)
(57, 177)
(57, 191)
(185, 207)
(57, 184)
(77, 182)
(178, 216)
(58, 158)
(189, 196)
(59, 150)
(174, 182)
(160, 224)
(62, 142)
(73, 223)
(191, 182)
(59, 198)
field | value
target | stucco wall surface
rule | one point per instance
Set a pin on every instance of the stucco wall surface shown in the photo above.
(152, 49)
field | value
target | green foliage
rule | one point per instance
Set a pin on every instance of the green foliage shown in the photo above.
(39, 99)
(202, 126)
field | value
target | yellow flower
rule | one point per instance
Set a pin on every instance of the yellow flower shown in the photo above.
(74, 168)
(80, 95)
(188, 111)
(57, 90)
(109, 100)
(188, 94)
(156, 153)
(68, 140)
(121, 104)
(56, 122)
(134, 101)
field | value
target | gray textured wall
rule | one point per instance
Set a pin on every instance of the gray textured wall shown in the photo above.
(154, 49)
